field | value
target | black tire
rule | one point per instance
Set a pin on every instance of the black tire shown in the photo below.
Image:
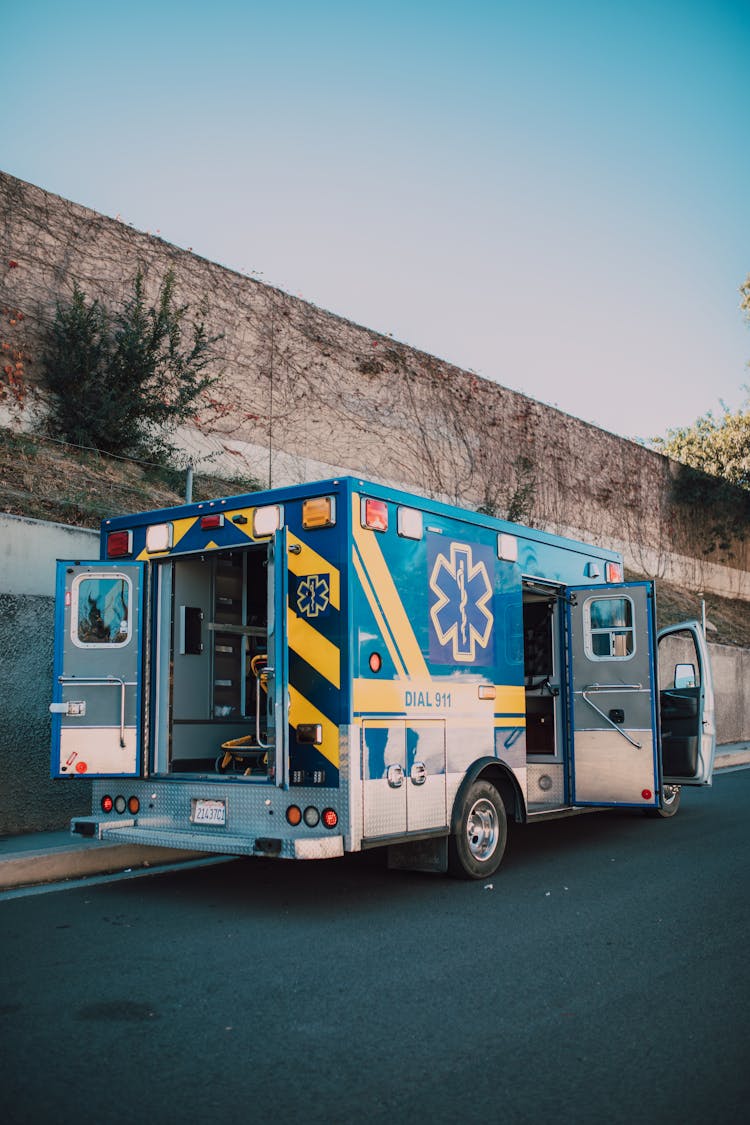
(670, 801)
(476, 849)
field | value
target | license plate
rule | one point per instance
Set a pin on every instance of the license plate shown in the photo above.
(204, 811)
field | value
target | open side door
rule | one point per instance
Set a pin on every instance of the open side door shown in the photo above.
(612, 686)
(99, 639)
(277, 669)
(686, 704)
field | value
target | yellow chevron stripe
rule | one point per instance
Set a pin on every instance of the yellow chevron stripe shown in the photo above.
(313, 647)
(302, 711)
(387, 595)
(308, 561)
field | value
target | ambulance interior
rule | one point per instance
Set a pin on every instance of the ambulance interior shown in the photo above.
(212, 644)
(542, 684)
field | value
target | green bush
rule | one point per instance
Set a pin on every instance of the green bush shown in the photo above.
(122, 380)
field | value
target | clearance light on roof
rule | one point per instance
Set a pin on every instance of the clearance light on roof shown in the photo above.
(158, 538)
(409, 523)
(266, 520)
(613, 572)
(119, 544)
(507, 547)
(318, 512)
(374, 514)
(210, 523)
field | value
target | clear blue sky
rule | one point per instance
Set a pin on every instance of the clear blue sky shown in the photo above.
(553, 193)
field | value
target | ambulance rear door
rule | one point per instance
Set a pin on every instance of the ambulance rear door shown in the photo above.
(612, 695)
(99, 639)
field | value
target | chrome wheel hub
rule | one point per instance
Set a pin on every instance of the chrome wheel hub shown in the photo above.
(482, 829)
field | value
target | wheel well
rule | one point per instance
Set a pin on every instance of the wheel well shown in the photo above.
(504, 781)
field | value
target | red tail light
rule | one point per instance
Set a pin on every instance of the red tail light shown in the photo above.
(119, 544)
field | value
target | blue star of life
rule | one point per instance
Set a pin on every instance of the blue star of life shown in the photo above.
(460, 615)
(313, 595)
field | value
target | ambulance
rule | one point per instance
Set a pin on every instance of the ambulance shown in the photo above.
(330, 667)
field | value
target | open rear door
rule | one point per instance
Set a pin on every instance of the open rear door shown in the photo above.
(612, 683)
(99, 633)
(686, 703)
(278, 660)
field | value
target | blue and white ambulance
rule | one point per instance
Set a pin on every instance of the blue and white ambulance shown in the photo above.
(336, 666)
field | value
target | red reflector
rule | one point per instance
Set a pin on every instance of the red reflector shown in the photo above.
(330, 818)
(209, 522)
(613, 572)
(107, 804)
(376, 662)
(119, 544)
(375, 515)
(646, 794)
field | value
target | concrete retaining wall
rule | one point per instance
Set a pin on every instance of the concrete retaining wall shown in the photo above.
(30, 801)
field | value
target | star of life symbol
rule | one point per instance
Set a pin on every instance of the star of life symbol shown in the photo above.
(313, 595)
(460, 615)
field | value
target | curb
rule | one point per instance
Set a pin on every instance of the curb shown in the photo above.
(53, 864)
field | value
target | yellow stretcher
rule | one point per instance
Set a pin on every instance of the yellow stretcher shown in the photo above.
(247, 753)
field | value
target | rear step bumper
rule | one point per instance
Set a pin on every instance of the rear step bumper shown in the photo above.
(326, 847)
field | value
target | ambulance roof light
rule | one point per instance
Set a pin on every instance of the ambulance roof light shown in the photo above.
(374, 514)
(159, 538)
(409, 523)
(318, 511)
(613, 572)
(507, 547)
(266, 520)
(119, 544)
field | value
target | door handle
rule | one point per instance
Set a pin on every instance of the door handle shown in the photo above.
(418, 773)
(394, 775)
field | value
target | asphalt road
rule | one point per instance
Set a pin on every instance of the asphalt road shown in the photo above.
(602, 976)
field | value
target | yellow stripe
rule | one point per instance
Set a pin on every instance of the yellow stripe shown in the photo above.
(390, 696)
(302, 711)
(307, 561)
(313, 647)
(387, 595)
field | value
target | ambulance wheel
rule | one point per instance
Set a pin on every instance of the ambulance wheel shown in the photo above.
(476, 849)
(670, 802)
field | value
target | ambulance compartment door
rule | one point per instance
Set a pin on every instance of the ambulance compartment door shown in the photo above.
(277, 669)
(612, 706)
(686, 705)
(100, 629)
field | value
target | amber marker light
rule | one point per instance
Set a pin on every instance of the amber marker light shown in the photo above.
(294, 815)
(320, 511)
(134, 805)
